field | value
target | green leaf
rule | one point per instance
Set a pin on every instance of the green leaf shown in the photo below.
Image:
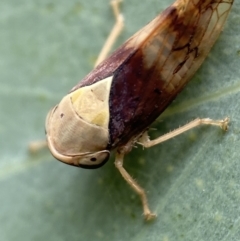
(192, 181)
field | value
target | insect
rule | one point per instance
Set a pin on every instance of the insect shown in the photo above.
(114, 105)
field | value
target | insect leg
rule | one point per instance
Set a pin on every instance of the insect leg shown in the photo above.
(117, 29)
(144, 140)
(35, 146)
(139, 190)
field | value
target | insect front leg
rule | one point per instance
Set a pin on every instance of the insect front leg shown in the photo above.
(139, 190)
(35, 146)
(144, 140)
(116, 30)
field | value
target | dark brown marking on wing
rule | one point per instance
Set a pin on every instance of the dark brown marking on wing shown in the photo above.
(180, 65)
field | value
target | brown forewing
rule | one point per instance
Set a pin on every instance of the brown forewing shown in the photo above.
(153, 66)
(145, 84)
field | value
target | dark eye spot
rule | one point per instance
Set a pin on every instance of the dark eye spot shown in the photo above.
(93, 159)
(61, 115)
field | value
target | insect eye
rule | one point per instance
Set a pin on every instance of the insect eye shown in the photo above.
(94, 161)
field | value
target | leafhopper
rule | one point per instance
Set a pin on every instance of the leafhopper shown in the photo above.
(114, 105)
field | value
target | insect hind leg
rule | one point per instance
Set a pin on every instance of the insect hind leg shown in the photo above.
(146, 142)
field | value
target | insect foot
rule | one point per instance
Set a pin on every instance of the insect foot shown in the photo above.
(134, 185)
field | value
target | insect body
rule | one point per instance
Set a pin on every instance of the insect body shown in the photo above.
(113, 106)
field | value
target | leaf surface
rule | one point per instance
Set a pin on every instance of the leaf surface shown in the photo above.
(192, 181)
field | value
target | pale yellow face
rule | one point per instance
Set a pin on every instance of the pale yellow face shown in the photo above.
(77, 128)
